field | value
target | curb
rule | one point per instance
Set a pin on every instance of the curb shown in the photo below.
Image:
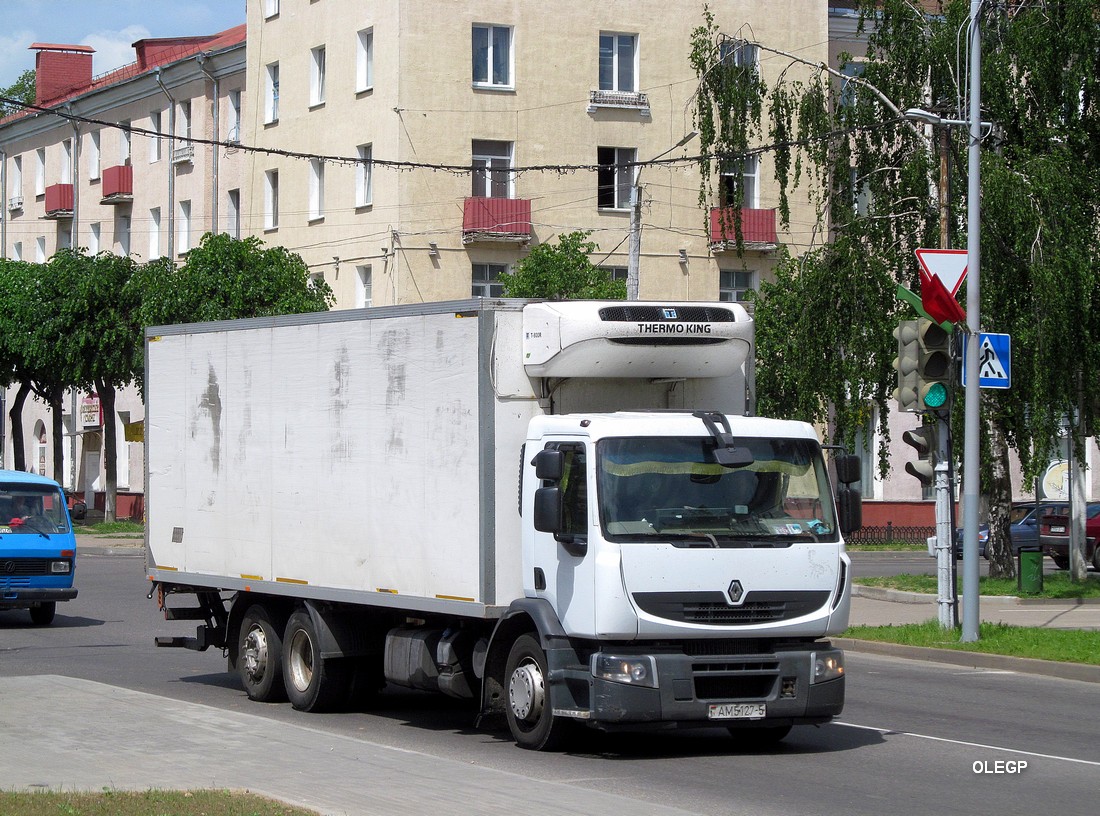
(898, 596)
(977, 660)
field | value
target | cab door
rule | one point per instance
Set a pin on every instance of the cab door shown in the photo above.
(562, 559)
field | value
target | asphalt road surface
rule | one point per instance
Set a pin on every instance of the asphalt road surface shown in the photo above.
(915, 737)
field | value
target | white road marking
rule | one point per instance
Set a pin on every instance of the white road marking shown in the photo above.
(889, 731)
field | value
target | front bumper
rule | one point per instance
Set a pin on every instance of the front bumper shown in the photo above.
(22, 597)
(689, 685)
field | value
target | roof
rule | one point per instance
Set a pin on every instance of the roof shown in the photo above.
(152, 52)
(19, 477)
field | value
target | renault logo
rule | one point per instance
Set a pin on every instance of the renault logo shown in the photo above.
(736, 592)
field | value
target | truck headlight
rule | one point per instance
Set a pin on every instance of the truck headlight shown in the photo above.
(636, 671)
(827, 665)
(60, 567)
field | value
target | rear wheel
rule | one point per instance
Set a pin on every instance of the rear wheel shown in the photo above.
(42, 615)
(260, 656)
(313, 682)
(530, 710)
(1096, 558)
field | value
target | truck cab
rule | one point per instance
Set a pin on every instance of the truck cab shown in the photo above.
(37, 546)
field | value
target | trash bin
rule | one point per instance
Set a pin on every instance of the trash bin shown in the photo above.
(1029, 575)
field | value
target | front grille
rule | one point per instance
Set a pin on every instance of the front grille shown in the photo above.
(712, 648)
(650, 314)
(24, 566)
(712, 608)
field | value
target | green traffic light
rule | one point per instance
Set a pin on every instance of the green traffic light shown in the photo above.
(936, 396)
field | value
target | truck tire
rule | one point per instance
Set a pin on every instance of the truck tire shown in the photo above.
(1060, 561)
(313, 682)
(529, 707)
(42, 615)
(260, 656)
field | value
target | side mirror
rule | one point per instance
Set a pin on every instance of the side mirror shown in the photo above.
(849, 509)
(549, 465)
(847, 468)
(548, 508)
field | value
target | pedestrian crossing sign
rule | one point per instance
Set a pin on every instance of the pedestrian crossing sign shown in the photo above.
(994, 361)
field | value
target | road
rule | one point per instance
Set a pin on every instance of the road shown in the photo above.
(910, 739)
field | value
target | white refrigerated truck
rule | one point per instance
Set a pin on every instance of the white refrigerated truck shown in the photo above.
(560, 509)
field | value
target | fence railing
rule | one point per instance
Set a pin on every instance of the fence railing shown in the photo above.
(890, 532)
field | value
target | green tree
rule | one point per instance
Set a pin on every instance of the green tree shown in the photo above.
(824, 328)
(564, 270)
(22, 90)
(225, 278)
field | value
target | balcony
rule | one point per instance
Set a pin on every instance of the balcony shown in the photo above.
(59, 201)
(15, 203)
(757, 230)
(504, 220)
(630, 100)
(184, 153)
(118, 185)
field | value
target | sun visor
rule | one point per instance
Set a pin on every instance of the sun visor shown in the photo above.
(635, 339)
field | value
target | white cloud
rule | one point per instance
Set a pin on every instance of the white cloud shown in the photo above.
(113, 49)
(14, 56)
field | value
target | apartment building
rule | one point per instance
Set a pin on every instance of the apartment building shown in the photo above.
(376, 110)
(120, 162)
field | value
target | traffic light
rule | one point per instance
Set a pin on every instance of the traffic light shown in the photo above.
(934, 367)
(907, 364)
(924, 440)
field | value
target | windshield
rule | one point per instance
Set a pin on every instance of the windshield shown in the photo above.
(31, 509)
(672, 489)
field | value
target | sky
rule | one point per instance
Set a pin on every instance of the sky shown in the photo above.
(111, 27)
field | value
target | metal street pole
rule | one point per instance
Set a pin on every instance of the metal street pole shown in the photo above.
(971, 425)
(634, 247)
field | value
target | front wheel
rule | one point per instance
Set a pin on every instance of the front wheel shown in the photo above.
(42, 615)
(530, 709)
(313, 682)
(260, 656)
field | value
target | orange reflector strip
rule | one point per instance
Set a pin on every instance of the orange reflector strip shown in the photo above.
(387, 591)
(454, 598)
(169, 569)
(252, 577)
(291, 581)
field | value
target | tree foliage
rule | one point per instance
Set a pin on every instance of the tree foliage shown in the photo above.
(564, 270)
(22, 90)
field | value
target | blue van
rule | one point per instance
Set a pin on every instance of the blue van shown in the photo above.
(37, 545)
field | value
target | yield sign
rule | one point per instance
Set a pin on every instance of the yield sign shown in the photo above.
(949, 265)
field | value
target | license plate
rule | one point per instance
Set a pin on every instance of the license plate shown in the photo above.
(1057, 528)
(737, 711)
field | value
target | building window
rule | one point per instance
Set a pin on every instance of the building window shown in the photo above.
(67, 161)
(233, 214)
(847, 96)
(317, 76)
(64, 235)
(861, 193)
(183, 241)
(492, 166)
(616, 273)
(749, 170)
(364, 60)
(93, 238)
(40, 249)
(486, 280)
(93, 155)
(492, 56)
(364, 193)
(154, 141)
(234, 134)
(316, 189)
(735, 284)
(865, 450)
(271, 200)
(154, 233)
(271, 94)
(16, 189)
(122, 234)
(40, 171)
(271, 8)
(618, 62)
(739, 53)
(17, 251)
(363, 295)
(183, 126)
(124, 152)
(615, 177)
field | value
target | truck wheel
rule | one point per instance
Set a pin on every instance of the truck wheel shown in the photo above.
(530, 709)
(313, 683)
(1096, 558)
(1060, 561)
(260, 656)
(42, 615)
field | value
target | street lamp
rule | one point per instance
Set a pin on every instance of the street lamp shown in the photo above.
(635, 246)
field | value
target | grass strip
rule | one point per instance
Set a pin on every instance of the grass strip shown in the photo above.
(1064, 645)
(144, 803)
(1056, 585)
